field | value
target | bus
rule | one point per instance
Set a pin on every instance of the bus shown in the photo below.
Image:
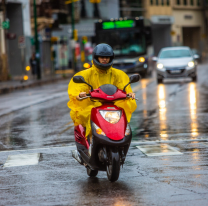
(131, 41)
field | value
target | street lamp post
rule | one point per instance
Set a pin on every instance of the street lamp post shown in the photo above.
(37, 52)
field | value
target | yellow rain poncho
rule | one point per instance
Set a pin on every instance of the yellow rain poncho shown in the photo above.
(81, 110)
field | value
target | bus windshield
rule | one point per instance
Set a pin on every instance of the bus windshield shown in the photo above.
(124, 42)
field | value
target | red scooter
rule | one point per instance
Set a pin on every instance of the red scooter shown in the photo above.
(111, 133)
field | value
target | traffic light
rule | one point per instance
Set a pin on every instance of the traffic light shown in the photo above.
(95, 1)
(75, 34)
(84, 39)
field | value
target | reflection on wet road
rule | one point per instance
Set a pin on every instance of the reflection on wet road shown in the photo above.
(165, 112)
(193, 107)
(162, 112)
(171, 119)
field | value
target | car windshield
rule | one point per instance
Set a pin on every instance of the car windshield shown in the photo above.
(176, 53)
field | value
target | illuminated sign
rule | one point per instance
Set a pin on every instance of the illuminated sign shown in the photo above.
(118, 24)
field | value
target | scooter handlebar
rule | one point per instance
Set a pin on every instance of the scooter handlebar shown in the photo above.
(88, 96)
(130, 97)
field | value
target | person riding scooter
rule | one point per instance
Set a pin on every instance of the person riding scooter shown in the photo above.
(99, 74)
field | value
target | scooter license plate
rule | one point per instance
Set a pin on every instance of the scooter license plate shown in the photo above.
(175, 71)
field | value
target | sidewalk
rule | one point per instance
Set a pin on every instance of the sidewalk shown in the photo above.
(10, 86)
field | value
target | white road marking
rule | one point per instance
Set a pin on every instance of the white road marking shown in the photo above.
(168, 141)
(38, 149)
(158, 150)
(22, 160)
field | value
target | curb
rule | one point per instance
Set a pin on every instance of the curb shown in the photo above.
(24, 85)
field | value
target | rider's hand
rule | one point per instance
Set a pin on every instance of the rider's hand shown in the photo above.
(81, 95)
(132, 95)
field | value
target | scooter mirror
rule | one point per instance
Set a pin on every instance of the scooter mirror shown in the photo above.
(79, 79)
(134, 78)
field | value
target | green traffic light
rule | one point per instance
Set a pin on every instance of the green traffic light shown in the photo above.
(5, 25)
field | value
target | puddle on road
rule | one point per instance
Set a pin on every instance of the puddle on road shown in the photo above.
(158, 150)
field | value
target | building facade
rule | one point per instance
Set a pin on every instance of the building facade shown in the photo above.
(184, 19)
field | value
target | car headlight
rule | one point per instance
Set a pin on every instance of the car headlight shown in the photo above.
(160, 66)
(191, 64)
(128, 130)
(142, 59)
(111, 116)
(98, 130)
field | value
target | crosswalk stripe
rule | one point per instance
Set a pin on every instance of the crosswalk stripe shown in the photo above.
(44, 148)
(168, 141)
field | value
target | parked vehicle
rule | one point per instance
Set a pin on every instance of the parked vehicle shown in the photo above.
(197, 54)
(111, 133)
(173, 62)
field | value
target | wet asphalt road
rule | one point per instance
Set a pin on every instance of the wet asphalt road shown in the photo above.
(171, 114)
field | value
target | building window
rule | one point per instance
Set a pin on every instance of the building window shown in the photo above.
(168, 3)
(184, 2)
(198, 2)
(192, 2)
(162, 2)
(157, 3)
(131, 8)
(178, 2)
(151, 2)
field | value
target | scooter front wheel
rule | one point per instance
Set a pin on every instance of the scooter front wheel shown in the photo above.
(92, 173)
(113, 168)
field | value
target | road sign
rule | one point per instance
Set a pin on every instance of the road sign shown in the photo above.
(5, 25)
(21, 42)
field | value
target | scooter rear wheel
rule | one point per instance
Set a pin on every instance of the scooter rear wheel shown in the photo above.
(92, 173)
(113, 168)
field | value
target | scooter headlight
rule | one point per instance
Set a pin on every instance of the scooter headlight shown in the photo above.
(98, 130)
(111, 116)
(128, 130)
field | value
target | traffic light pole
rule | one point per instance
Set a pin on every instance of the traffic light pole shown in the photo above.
(36, 42)
(72, 24)
(3, 55)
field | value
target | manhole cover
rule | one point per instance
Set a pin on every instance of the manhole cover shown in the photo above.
(22, 160)
(158, 150)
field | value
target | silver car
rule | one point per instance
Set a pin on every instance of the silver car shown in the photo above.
(175, 62)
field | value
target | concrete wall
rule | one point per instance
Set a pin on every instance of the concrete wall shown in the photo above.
(188, 19)
(108, 9)
(161, 37)
(151, 10)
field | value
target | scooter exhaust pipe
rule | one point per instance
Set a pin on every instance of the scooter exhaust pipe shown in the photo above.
(76, 156)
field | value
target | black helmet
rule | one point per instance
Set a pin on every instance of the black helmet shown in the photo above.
(103, 50)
